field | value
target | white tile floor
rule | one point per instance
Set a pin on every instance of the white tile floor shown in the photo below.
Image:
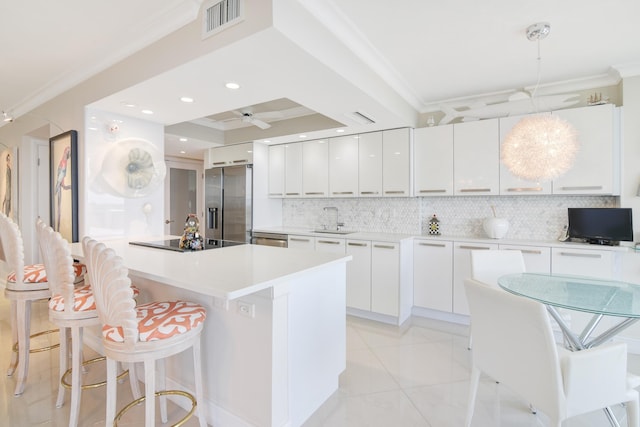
(416, 375)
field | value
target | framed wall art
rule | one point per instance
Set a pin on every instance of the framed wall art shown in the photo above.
(63, 152)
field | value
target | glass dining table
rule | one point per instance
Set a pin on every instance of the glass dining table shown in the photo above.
(620, 301)
(617, 300)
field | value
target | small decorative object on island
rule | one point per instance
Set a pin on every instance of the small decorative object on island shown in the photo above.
(191, 238)
(496, 228)
(434, 226)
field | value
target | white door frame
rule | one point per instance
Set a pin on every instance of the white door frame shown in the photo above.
(198, 166)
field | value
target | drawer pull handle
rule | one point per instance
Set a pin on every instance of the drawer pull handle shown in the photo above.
(531, 251)
(384, 246)
(275, 194)
(219, 163)
(343, 192)
(524, 189)
(432, 191)
(314, 193)
(585, 187)
(435, 245)
(329, 242)
(293, 194)
(394, 192)
(362, 245)
(580, 255)
(240, 161)
(368, 192)
(473, 247)
(295, 239)
(474, 190)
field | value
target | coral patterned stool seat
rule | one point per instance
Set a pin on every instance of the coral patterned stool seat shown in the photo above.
(25, 284)
(148, 333)
(79, 313)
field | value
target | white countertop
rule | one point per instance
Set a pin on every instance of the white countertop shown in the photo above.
(228, 273)
(397, 237)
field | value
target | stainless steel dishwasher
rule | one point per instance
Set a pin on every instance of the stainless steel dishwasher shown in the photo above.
(269, 239)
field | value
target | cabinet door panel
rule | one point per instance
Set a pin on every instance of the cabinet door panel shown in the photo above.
(476, 153)
(509, 183)
(276, 171)
(343, 166)
(301, 242)
(537, 259)
(359, 274)
(433, 161)
(433, 275)
(462, 270)
(293, 170)
(593, 170)
(370, 164)
(315, 168)
(326, 244)
(396, 163)
(385, 278)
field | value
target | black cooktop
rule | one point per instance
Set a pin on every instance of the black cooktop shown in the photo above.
(174, 244)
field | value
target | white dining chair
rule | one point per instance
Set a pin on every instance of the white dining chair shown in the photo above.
(514, 344)
(146, 333)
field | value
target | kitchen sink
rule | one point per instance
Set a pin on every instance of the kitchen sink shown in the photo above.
(333, 231)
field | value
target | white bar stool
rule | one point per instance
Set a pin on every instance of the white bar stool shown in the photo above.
(25, 284)
(148, 333)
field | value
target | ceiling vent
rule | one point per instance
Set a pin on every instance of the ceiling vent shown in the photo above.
(220, 14)
(360, 118)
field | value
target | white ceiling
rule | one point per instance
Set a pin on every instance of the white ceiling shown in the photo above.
(393, 61)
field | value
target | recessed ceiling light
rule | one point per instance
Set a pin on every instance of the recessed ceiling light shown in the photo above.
(183, 139)
(186, 99)
(232, 85)
(266, 141)
(146, 112)
(340, 130)
(302, 136)
(183, 152)
(128, 104)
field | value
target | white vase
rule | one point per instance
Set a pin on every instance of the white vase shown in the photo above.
(496, 228)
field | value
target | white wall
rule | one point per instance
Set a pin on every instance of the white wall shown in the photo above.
(106, 213)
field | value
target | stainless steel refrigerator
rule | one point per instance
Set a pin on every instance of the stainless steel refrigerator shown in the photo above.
(228, 197)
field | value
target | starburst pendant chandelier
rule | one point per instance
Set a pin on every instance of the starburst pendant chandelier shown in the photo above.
(540, 147)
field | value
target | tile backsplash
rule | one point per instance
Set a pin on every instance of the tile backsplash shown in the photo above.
(530, 217)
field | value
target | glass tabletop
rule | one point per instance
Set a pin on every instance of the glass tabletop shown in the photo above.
(608, 297)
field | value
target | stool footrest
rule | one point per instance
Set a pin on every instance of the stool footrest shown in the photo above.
(189, 396)
(66, 384)
(39, 334)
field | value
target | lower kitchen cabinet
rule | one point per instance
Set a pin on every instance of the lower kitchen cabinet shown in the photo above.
(537, 259)
(385, 278)
(330, 244)
(359, 274)
(462, 270)
(301, 242)
(433, 275)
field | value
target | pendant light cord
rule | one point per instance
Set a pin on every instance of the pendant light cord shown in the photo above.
(535, 89)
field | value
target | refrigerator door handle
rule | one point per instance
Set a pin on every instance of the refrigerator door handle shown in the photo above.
(212, 218)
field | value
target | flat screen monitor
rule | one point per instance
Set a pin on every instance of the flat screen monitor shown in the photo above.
(602, 226)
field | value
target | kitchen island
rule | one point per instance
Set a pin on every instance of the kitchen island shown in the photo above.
(274, 342)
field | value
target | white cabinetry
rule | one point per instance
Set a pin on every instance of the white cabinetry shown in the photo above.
(596, 169)
(385, 278)
(301, 242)
(276, 170)
(229, 155)
(370, 164)
(476, 153)
(396, 162)
(343, 166)
(433, 161)
(433, 275)
(330, 244)
(509, 183)
(537, 259)
(583, 262)
(293, 170)
(462, 270)
(315, 168)
(359, 274)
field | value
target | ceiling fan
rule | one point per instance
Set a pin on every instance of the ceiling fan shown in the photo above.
(257, 119)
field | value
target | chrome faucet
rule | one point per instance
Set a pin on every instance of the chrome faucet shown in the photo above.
(338, 224)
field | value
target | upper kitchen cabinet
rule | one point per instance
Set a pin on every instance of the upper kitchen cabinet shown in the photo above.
(293, 170)
(370, 164)
(511, 185)
(315, 168)
(476, 153)
(396, 162)
(276, 170)
(596, 169)
(343, 166)
(229, 155)
(433, 161)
